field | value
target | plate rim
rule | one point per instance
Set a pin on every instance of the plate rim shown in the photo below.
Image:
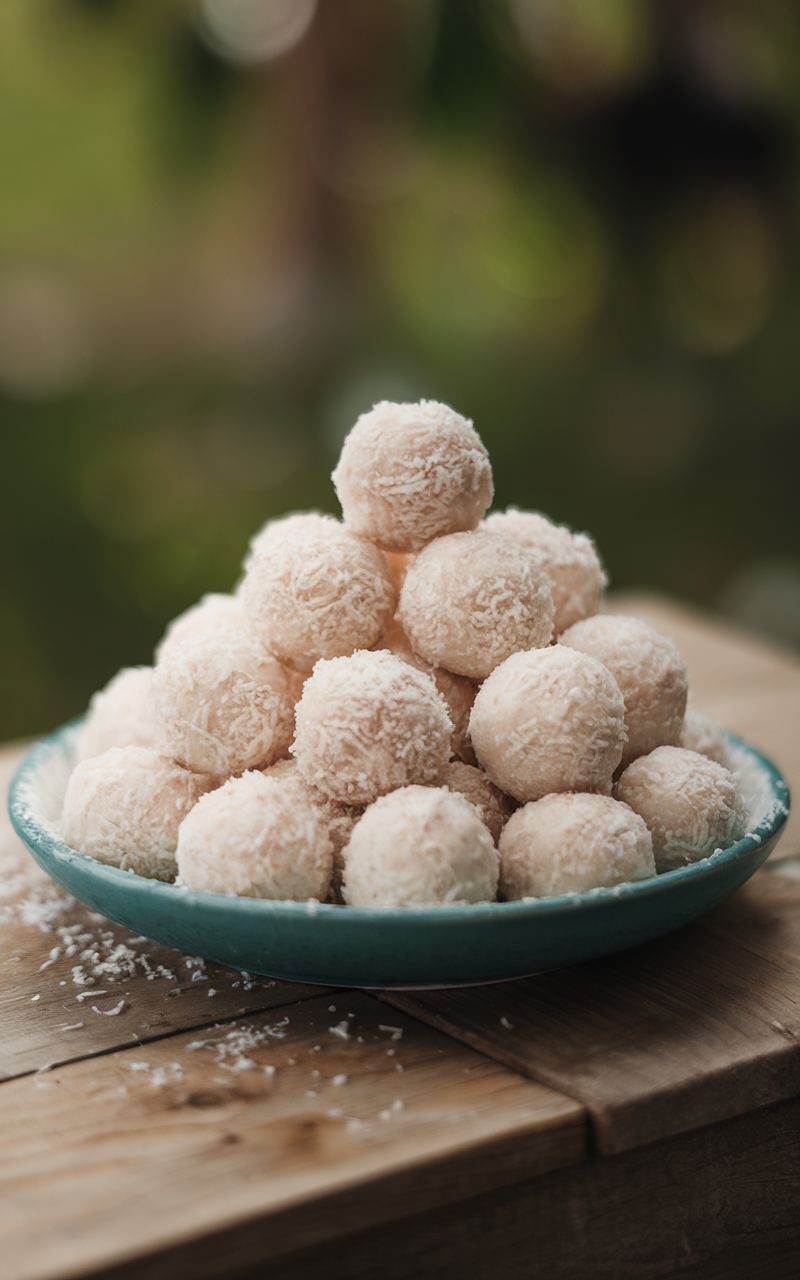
(39, 839)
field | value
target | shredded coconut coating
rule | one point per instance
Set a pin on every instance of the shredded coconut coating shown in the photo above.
(338, 819)
(470, 600)
(214, 612)
(691, 804)
(570, 559)
(118, 715)
(125, 806)
(420, 847)
(649, 671)
(317, 595)
(493, 805)
(457, 691)
(256, 838)
(368, 724)
(221, 705)
(569, 843)
(409, 473)
(549, 720)
(289, 526)
(702, 734)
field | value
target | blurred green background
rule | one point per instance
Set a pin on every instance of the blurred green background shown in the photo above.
(229, 226)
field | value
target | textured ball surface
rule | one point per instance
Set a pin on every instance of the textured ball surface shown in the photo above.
(258, 839)
(420, 847)
(691, 804)
(568, 843)
(457, 691)
(290, 526)
(700, 733)
(649, 671)
(317, 594)
(470, 600)
(337, 819)
(215, 612)
(549, 720)
(125, 806)
(494, 807)
(118, 715)
(368, 724)
(570, 560)
(221, 705)
(409, 473)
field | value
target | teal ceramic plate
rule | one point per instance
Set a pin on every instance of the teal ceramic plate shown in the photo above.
(428, 947)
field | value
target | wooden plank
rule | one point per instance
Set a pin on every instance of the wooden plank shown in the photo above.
(743, 683)
(64, 970)
(722, 1203)
(691, 1029)
(162, 1151)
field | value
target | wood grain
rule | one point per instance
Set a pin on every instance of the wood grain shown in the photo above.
(719, 1204)
(53, 1009)
(191, 1141)
(688, 1030)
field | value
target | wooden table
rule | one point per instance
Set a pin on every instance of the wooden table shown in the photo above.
(634, 1117)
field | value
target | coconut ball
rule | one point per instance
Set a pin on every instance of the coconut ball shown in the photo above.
(215, 612)
(700, 733)
(125, 806)
(549, 720)
(290, 526)
(570, 560)
(691, 804)
(409, 473)
(118, 715)
(317, 595)
(222, 705)
(457, 691)
(494, 807)
(568, 843)
(368, 724)
(258, 839)
(471, 599)
(649, 671)
(420, 847)
(337, 819)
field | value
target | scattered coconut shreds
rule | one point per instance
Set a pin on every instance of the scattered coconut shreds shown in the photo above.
(157, 1077)
(110, 1013)
(342, 1030)
(397, 1032)
(231, 1050)
(504, 1022)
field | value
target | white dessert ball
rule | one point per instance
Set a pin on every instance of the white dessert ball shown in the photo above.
(409, 473)
(549, 720)
(317, 595)
(493, 805)
(124, 808)
(470, 600)
(118, 715)
(568, 843)
(289, 526)
(337, 819)
(214, 612)
(702, 734)
(570, 559)
(649, 671)
(692, 805)
(257, 839)
(222, 705)
(420, 847)
(368, 724)
(457, 691)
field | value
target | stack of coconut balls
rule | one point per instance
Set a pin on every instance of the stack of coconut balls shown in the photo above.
(419, 705)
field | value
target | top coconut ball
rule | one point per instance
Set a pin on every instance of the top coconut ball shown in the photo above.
(409, 473)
